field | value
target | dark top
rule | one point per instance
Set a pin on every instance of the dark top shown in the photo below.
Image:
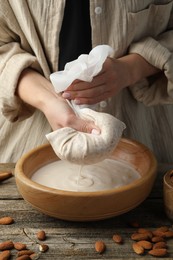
(75, 35)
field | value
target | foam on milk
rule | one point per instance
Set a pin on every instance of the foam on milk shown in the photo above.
(105, 175)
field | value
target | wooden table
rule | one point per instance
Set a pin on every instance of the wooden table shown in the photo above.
(75, 240)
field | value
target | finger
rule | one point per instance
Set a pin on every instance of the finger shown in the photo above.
(92, 100)
(86, 127)
(87, 93)
(79, 85)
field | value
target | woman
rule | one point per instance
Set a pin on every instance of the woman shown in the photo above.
(39, 37)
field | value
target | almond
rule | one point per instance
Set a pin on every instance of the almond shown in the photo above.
(149, 234)
(138, 237)
(25, 252)
(157, 239)
(145, 244)
(158, 252)
(142, 230)
(139, 250)
(100, 246)
(168, 234)
(6, 221)
(163, 229)
(5, 255)
(43, 248)
(23, 257)
(34, 256)
(117, 239)
(19, 246)
(160, 245)
(158, 233)
(41, 235)
(6, 245)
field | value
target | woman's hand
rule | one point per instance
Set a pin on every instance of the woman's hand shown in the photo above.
(106, 84)
(37, 91)
(115, 75)
(60, 114)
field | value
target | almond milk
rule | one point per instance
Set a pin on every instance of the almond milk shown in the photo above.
(105, 175)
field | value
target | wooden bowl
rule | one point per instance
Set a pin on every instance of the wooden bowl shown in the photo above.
(87, 206)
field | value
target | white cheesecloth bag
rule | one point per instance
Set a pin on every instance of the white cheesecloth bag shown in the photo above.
(70, 144)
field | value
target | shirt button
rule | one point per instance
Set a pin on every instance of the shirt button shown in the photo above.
(103, 104)
(98, 10)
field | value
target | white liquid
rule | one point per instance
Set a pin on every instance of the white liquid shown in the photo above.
(107, 174)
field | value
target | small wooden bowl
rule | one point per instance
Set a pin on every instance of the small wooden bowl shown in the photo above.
(168, 193)
(87, 206)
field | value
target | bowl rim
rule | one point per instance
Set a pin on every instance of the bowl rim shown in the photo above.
(27, 181)
(167, 178)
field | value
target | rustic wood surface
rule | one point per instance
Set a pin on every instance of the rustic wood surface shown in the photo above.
(75, 240)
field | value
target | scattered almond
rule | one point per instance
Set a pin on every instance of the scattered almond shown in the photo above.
(157, 239)
(23, 257)
(168, 234)
(143, 230)
(158, 233)
(117, 239)
(138, 249)
(6, 221)
(25, 252)
(145, 244)
(158, 252)
(6, 245)
(41, 235)
(100, 246)
(163, 229)
(160, 245)
(138, 236)
(5, 255)
(19, 246)
(43, 248)
(34, 256)
(149, 234)
(146, 232)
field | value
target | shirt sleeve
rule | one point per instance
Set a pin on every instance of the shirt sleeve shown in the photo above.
(158, 51)
(13, 60)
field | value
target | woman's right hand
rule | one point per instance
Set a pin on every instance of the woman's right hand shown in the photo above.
(60, 114)
(37, 91)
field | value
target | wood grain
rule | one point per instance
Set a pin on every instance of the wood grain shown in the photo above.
(75, 240)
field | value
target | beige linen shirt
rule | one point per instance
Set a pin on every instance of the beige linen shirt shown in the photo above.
(29, 35)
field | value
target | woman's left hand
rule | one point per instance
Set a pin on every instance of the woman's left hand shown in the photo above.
(112, 78)
(115, 75)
